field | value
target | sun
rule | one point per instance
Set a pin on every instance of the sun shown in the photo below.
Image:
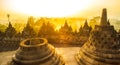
(48, 8)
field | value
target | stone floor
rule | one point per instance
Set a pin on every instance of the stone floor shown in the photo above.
(68, 54)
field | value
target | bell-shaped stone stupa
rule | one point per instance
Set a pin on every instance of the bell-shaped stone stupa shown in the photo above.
(103, 46)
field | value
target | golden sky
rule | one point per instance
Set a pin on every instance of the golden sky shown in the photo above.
(20, 10)
(58, 8)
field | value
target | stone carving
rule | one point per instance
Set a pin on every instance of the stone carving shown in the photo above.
(103, 47)
(36, 51)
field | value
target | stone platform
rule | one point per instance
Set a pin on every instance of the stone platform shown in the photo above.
(63, 51)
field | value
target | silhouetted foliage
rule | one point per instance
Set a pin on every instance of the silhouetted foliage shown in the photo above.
(64, 36)
(46, 30)
(66, 29)
(28, 32)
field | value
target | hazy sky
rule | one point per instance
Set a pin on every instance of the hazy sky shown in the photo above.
(58, 8)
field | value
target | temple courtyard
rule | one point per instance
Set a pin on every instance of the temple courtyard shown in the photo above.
(67, 53)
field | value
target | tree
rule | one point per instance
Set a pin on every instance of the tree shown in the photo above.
(66, 29)
(46, 29)
(28, 31)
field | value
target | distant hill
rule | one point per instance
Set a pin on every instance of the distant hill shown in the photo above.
(116, 23)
